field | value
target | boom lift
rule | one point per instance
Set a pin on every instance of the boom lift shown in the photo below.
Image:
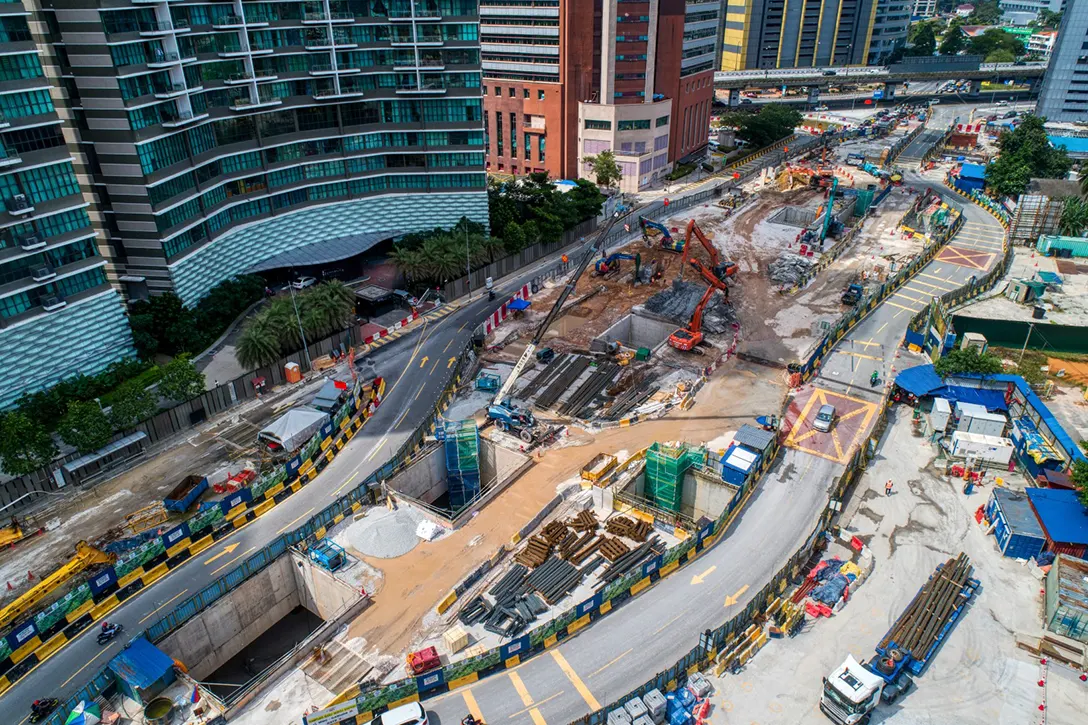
(721, 270)
(687, 339)
(502, 409)
(667, 242)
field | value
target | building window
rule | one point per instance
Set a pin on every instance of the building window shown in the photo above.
(540, 149)
(662, 121)
(511, 91)
(594, 125)
(514, 135)
(498, 134)
(524, 92)
(528, 146)
(28, 103)
(640, 125)
(540, 95)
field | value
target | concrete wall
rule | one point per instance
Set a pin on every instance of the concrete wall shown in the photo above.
(637, 331)
(425, 479)
(222, 631)
(320, 591)
(705, 495)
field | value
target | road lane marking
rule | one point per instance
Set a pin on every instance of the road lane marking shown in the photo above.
(549, 698)
(342, 486)
(423, 362)
(295, 521)
(447, 347)
(470, 703)
(731, 600)
(252, 548)
(882, 327)
(908, 309)
(183, 591)
(622, 655)
(89, 662)
(661, 629)
(576, 680)
(519, 685)
(700, 578)
(228, 549)
(858, 354)
(868, 343)
(434, 366)
(381, 442)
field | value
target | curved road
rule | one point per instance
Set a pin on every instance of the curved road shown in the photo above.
(648, 634)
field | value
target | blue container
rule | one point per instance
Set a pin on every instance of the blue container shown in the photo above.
(680, 717)
(686, 698)
(1016, 528)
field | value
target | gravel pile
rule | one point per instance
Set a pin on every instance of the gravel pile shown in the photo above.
(679, 301)
(789, 269)
(386, 534)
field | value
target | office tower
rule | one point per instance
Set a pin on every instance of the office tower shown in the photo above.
(785, 34)
(235, 134)
(653, 86)
(890, 25)
(1064, 92)
(59, 314)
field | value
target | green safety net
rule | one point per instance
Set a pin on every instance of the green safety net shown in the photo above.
(665, 469)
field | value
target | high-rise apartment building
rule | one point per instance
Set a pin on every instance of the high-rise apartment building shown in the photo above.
(785, 34)
(1063, 95)
(59, 314)
(924, 8)
(890, 25)
(564, 79)
(228, 134)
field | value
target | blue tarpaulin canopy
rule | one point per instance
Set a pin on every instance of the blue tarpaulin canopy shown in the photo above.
(518, 305)
(973, 171)
(992, 400)
(1063, 516)
(1049, 277)
(919, 380)
(142, 666)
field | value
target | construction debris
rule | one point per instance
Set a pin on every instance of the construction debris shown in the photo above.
(790, 269)
(678, 302)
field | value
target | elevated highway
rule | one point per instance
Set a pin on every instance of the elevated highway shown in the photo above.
(897, 74)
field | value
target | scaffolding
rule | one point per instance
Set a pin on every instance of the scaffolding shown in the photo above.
(665, 468)
(462, 441)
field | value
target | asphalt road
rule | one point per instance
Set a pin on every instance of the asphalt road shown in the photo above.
(648, 634)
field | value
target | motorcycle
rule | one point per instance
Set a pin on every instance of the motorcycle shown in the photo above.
(41, 709)
(470, 720)
(874, 379)
(109, 631)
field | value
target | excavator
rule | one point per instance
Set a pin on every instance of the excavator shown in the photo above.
(687, 339)
(611, 263)
(667, 242)
(722, 270)
(502, 410)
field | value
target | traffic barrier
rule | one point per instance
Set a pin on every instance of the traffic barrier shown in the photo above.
(500, 315)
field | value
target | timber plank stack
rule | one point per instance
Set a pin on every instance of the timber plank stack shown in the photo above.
(613, 549)
(584, 521)
(535, 552)
(636, 530)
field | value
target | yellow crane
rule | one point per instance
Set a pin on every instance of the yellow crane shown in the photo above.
(86, 556)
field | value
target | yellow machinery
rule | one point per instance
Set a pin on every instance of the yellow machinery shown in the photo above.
(14, 532)
(146, 517)
(86, 556)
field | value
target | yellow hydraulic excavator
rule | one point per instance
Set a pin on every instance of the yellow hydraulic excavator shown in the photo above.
(86, 556)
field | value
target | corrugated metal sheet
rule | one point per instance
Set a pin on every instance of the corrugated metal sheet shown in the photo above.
(141, 664)
(1078, 245)
(1063, 517)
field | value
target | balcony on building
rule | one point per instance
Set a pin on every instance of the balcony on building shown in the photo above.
(248, 104)
(331, 94)
(401, 12)
(172, 91)
(426, 88)
(4, 123)
(427, 64)
(159, 29)
(326, 69)
(19, 205)
(322, 18)
(234, 50)
(183, 118)
(164, 60)
(227, 22)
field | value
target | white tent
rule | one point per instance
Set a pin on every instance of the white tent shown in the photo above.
(292, 429)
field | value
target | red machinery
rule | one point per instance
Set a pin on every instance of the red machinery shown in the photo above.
(687, 339)
(423, 660)
(722, 271)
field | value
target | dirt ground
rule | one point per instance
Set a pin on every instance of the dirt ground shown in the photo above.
(414, 583)
(89, 514)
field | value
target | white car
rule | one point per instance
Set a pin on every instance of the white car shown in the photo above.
(821, 108)
(825, 418)
(304, 282)
(410, 714)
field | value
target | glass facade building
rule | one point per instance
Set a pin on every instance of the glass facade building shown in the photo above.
(226, 133)
(59, 313)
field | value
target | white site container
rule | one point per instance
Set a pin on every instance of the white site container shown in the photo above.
(975, 419)
(940, 415)
(991, 449)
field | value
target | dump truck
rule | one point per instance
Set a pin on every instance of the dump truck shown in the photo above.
(852, 294)
(854, 689)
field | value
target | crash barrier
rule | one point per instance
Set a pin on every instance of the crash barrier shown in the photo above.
(181, 417)
(734, 642)
(385, 331)
(992, 207)
(929, 328)
(364, 706)
(847, 322)
(499, 316)
(305, 535)
(34, 640)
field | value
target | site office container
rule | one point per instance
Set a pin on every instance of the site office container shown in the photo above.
(1016, 529)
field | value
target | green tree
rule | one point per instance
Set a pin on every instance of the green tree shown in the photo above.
(952, 42)
(1025, 153)
(514, 239)
(25, 446)
(409, 261)
(1001, 55)
(923, 41)
(1082, 177)
(987, 12)
(1074, 218)
(1079, 476)
(606, 171)
(772, 123)
(85, 427)
(995, 39)
(968, 361)
(132, 402)
(180, 379)
(1048, 19)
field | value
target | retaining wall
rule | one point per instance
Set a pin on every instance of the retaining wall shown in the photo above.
(636, 330)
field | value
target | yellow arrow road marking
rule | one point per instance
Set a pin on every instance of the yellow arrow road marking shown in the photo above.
(226, 550)
(730, 601)
(423, 361)
(451, 362)
(699, 579)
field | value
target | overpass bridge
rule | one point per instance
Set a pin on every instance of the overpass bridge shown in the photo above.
(891, 76)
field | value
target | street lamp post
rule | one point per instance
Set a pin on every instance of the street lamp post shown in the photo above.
(301, 332)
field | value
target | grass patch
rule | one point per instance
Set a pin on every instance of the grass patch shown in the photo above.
(1030, 367)
(147, 377)
(680, 171)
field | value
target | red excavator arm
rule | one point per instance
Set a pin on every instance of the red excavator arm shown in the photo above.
(729, 269)
(688, 339)
(710, 277)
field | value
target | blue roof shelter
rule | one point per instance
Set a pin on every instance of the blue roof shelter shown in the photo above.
(1064, 519)
(1016, 529)
(143, 670)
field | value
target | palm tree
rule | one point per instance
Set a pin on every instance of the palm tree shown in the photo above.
(1074, 219)
(1083, 178)
(443, 260)
(258, 344)
(493, 246)
(332, 305)
(410, 262)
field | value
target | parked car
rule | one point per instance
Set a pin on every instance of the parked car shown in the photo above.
(821, 108)
(825, 418)
(304, 282)
(410, 714)
(1002, 103)
(830, 73)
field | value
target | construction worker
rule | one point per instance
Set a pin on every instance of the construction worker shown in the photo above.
(888, 488)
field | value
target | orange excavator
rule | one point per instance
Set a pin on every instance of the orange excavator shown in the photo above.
(721, 270)
(687, 339)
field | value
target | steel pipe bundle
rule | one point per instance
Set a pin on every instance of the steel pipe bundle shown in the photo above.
(918, 629)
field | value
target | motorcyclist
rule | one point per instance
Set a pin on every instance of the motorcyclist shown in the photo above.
(874, 378)
(470, 720)
(43, 707)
